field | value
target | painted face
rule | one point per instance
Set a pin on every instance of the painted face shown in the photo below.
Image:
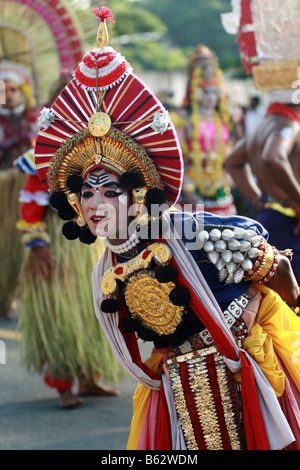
(105, 205)
(13, 95)
(208, 97)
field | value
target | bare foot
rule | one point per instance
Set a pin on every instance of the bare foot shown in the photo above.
(68, 400)
(99, 390)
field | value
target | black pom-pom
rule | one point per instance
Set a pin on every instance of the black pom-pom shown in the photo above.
(155, 196)
(175, 340)
(193, 320)
(86, 236)
(166, 273)
(183, 332)
(66, 213)
(71, 230)
(163, 227)
(145, 334)
(161, 341)
(74, 183)
(179, 296)
(58, 199)
(131, 180)
(130, 324)
(109, 305)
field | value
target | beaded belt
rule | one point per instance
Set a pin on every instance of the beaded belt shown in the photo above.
(205, 400)
(232, 315)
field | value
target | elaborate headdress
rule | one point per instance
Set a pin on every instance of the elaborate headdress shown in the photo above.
(268, 35)
(203, 71)
(21, 77)
(205, 60)
(106, 117)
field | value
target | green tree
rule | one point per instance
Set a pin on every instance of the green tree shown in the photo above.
(192, 22)
(141, 36)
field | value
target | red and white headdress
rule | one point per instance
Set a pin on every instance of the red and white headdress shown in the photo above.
(15, 72)
(107, 117)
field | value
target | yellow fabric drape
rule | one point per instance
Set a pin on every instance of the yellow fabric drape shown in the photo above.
(260, 346)
(276, 330)
(140, 402)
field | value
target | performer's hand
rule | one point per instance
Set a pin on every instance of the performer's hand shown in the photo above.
(284, 282)
(296, 207)
(297, 229)
(42, 261)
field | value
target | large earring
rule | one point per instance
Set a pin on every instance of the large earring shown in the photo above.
(74, 202)
(141, 213)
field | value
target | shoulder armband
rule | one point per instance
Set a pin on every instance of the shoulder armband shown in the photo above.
(238, 254)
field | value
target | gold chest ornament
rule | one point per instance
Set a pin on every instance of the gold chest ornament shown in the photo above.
(146, 298)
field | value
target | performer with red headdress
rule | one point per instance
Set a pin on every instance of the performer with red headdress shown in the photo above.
(18, 129)
(195, 285)
(52, 342)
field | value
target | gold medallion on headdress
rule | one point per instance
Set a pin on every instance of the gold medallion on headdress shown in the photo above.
(99, 124)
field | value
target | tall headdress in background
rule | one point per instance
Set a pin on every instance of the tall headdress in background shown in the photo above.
(268, 35)
(106, 117)
(21, 76)
(203, 70)
(45, 36)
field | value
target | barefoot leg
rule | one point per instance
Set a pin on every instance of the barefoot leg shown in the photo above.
(68, 399)
(90, 388)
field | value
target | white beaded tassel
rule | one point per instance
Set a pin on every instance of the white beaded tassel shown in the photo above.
(132, 241)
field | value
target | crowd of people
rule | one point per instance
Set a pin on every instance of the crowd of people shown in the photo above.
(112, 258)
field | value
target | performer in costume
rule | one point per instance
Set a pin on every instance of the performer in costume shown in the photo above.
(265, 164)
(18, 129)
(18, 115)
(203, 129)
(52, 340)
(199, 286)
(38, 39)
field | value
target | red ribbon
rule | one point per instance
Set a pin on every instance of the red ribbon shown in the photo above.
(283, 110)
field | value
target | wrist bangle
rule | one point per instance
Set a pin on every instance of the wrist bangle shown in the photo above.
(296, 310)
(35, 243)
(32, 238)
(30, 227)
(265, 265)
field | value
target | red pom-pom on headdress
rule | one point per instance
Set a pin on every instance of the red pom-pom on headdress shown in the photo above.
(104, 14)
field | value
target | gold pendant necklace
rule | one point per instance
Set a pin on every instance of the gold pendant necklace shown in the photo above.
(146, 298)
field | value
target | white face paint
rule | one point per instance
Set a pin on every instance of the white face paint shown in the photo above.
(105, 205)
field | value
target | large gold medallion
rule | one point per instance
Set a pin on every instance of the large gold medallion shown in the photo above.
(99, 124)
(148, 301)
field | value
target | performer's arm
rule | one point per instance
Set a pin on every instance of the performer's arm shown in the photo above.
(275, 157)
(284, 282)
(237, 165)
(35, 237)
